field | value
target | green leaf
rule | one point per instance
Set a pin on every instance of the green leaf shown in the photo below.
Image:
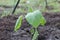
(35, 18)
(35, 35)
(18, 23)
(30, 9)
(42, 21)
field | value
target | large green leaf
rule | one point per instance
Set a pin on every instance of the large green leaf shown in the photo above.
(35, 18)
(35, 35)
(18, 23)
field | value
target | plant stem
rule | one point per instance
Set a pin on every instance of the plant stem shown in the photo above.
(34, 34)
(35, 30)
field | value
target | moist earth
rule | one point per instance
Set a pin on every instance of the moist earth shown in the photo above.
(51, 30)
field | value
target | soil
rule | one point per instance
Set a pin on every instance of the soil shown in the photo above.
(51, 30)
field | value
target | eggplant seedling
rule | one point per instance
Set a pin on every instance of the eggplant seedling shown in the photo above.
(35, 19)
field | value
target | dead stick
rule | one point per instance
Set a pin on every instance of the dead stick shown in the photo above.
(15, 6)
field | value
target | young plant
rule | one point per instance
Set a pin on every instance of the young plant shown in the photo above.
(35, 19)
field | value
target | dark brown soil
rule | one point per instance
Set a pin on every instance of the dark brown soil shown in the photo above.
(51, 30)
